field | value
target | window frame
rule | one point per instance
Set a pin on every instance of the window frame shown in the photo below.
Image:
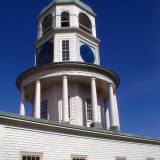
(90, 109)
(121, 158)
(46, 114)
(85, 157)
(87, 29)
(65, 57)
(46, 30)
(31, 154)
(65, 21)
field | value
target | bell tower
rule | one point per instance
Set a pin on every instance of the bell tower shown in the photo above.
(66, 32)
(67, 83)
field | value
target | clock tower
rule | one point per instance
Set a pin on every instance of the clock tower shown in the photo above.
(67, 83)
(67, 33)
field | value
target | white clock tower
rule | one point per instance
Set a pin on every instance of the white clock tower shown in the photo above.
(68, 84)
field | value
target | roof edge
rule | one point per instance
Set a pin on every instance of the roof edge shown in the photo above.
(11, 118)
(67, 2)
(99, 68)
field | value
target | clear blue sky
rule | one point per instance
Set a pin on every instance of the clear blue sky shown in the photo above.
(130, 35)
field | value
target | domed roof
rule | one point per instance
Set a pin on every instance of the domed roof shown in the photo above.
(76, 2)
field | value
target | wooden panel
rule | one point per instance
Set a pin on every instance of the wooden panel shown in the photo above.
(53, 144)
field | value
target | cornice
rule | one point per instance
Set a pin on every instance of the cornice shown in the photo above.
(63, 65)
(52, 33)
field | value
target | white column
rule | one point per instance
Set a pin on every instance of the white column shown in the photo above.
(116, 109)
(113, 117)
(37, 111)
(107, 119)
(94, 100)
(22, 101)
(65, 99)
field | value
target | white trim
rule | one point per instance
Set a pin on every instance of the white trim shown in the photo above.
(60, 56)
(70, 72)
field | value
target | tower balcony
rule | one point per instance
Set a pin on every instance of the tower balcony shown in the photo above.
(71, 92)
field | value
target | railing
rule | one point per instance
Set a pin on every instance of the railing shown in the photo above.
(84, 28)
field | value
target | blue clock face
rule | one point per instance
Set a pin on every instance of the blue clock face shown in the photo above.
(87, 54)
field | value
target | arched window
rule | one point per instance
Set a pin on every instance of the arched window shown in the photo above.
(65, 22)
(85, 23)
(47, 24)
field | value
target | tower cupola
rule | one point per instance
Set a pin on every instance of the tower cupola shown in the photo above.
(67, 33)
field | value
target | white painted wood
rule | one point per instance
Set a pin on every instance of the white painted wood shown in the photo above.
(107, 119)
(94, 100)
(70, 72)
(65, 99)
(22, 103)
(2, 133)
(60, 146)
(38, 99)
(113, 111)
(74, 12)
(116, 109)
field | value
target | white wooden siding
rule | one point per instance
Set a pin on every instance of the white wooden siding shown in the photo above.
(58, 46)
(78, 94)
(58, 146)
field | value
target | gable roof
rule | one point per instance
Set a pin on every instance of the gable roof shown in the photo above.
(64, 2)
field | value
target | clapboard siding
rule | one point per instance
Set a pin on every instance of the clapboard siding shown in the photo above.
(58, 46)
(58, 146)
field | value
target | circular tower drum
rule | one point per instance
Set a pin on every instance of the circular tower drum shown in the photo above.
(67, 83)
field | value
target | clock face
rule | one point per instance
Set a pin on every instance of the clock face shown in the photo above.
(87, 54)
(45, 54)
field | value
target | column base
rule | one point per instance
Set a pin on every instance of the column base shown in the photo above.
(115, 128)
(96, 125)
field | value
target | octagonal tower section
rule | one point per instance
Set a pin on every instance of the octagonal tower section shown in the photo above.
(67, 83)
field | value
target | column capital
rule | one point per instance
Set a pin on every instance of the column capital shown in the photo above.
(93, 78)
(111, 85)
(38, 81)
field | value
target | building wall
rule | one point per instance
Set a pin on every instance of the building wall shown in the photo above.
(75, 42)
(59, 146)
(58, 46)
(78, 94)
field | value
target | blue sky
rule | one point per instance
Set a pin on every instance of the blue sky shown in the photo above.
(130, 44)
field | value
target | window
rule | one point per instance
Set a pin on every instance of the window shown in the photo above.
(79, 157)
(65, 50)
(44, 54)
(47, 24)
(44, 109)
(89, 110)
(32, 156)
(121, 158)
(85, 23)
(65, 19)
